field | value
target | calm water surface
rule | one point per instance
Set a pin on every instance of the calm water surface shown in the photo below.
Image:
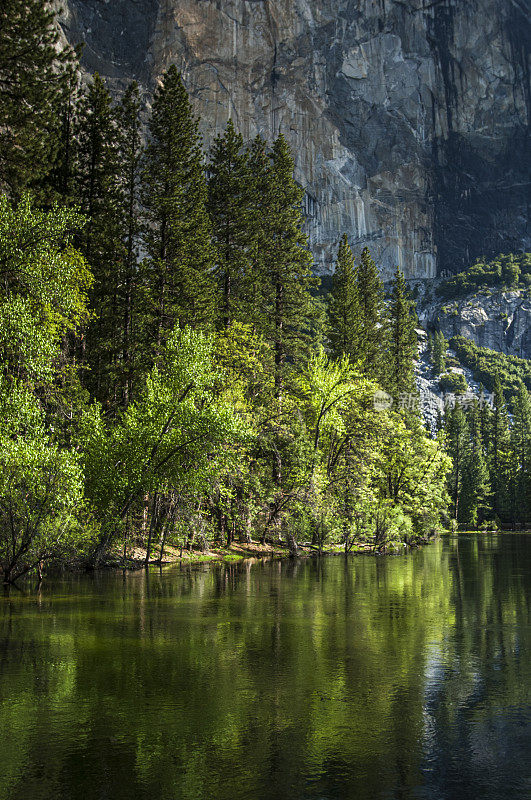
(394, 677)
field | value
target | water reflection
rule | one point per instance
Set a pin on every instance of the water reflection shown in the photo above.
(394, 677)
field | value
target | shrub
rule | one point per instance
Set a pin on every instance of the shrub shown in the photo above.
(486, 364)
(453, 382)
(505, 271)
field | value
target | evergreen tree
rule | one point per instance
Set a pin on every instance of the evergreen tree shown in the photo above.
(233, 220)
(97, 192)
(343, 305)
(130, 155)
(370, 293)
(34, 73)
(255, 284)
(475, 488)
(458, 444)
(286, 266)
(177, 274)
(60, 182)
(520, 457)
(485, 422)
(500, 444)
(401, 340)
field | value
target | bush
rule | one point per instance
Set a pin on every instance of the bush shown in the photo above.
(452, 362)
(453, 382)
(486, 364)
(505, 272)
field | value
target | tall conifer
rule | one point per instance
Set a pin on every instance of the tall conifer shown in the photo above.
(34, 71)
(476, 488)
(500, 444)
(401, 340)
(371, 314)
(287, 264)
(440, 346)
(177, 273)
(458, 446)
(130, 155)
(520, 470)
(231, 213)
(97, 192)
(343, 307)
(255, 283)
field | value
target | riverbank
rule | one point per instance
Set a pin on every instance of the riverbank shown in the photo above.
(238, 551)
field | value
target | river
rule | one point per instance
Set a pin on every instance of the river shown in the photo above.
(364, 678)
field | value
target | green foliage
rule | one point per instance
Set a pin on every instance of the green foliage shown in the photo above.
(505, 271)
(487, 364)
(41, 488)
(413, 475)
(177, 273)
(42, 300)
(343, 308)
(475, 490)
(457, 434)
(34, 78)
(401, 340)
(171, 439)
(43, 288)
(129, 184)
(370, 294)
(520, 458)
(453, 383)
(96, 191)
(162, 415)
(490, 455)
(235, 220)
(284, 263)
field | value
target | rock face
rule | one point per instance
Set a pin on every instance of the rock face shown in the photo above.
(408, 118)
(498, 320)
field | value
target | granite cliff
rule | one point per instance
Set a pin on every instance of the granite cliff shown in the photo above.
(499, 320)
(408, 118)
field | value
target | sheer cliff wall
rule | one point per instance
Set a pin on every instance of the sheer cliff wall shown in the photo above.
(408, 118)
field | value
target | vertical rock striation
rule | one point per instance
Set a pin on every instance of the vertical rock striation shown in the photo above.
(409, 119)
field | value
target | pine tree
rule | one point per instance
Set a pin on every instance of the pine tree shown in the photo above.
(97, 192)
(255, 284)
(33, 78)
(369, 288)
(401, 340)
(233, 221)
(458, 447)
(475, 488)
(177, 274)
(285, 264)
(485, 422)
(343, 305)
(520, 457)
(130, 155)
(500, 444)
(59, 184)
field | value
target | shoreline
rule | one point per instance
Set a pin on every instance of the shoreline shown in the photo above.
(236, 553)
(244, 551)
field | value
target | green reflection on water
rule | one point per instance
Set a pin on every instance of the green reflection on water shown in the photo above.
(362, 678)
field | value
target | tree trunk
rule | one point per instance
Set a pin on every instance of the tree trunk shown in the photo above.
(152, 525)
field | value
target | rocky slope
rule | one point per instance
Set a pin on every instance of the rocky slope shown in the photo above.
(494, 319)
(408, 118)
